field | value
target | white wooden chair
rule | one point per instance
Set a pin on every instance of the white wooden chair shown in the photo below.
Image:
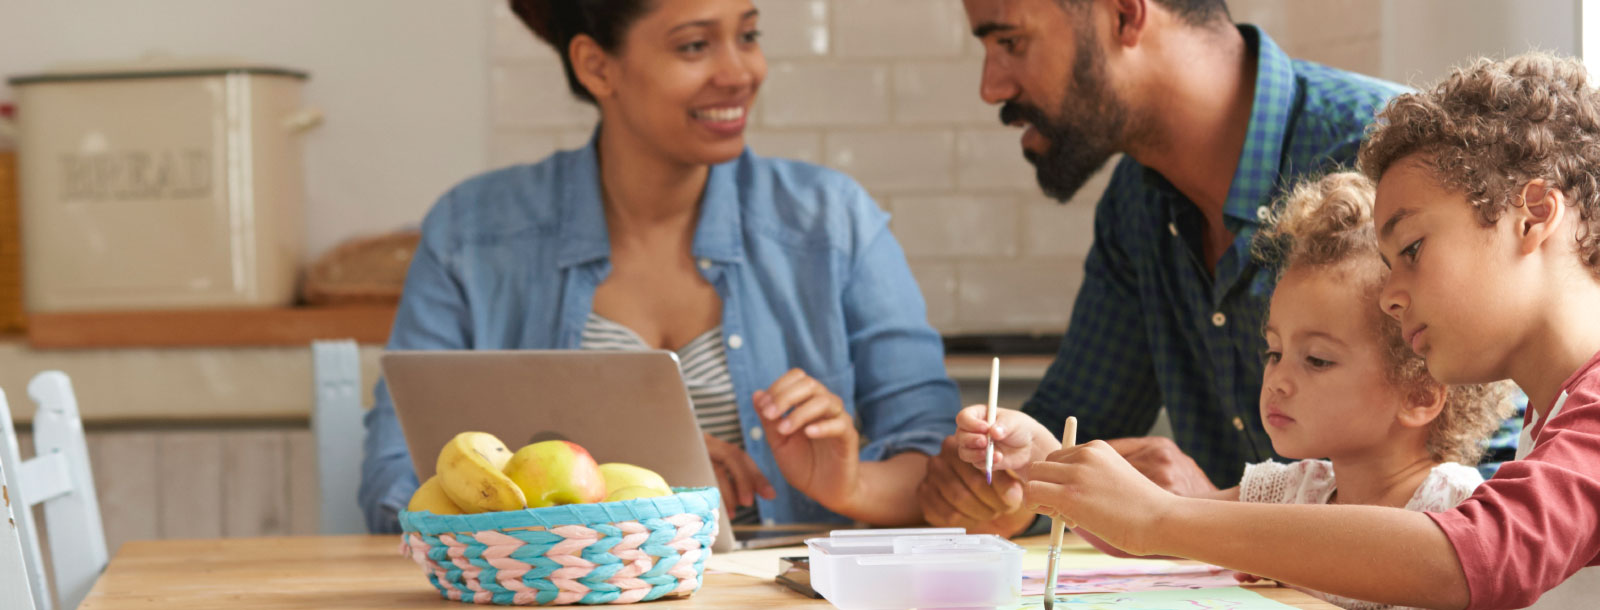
(336, 424)
(59, 478)
(15, 592)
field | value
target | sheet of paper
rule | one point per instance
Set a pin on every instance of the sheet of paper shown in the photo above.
(760, 563)
(1233, 598)
(1081, 556)
(1133, 578)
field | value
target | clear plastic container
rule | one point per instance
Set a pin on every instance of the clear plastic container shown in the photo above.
(942, 568)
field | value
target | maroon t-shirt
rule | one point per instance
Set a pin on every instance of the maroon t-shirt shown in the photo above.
(1537, 521)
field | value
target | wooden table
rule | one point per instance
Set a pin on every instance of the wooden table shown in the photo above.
(339, 572)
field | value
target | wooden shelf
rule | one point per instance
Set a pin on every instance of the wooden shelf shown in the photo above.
(210, 327)
(1025, 367)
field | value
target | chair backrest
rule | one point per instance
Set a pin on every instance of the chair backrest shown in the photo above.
(58, 477)
(15, 590)
(336, 423)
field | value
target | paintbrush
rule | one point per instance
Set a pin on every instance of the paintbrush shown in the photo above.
(1069, 437)
(994, 393)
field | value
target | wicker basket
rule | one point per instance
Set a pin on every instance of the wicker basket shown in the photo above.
(605, 553)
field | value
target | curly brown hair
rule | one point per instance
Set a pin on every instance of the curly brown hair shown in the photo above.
(1326, 224)
(1492, 126)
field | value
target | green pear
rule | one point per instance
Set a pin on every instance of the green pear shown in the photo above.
(626, 477)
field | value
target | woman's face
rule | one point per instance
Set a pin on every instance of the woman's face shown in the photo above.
(685, 78)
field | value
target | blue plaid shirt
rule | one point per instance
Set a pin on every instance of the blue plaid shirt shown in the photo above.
(1153, 325)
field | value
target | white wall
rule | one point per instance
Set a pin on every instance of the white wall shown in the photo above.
(404, 84)
(1423, 39)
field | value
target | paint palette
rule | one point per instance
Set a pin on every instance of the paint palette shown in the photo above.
(915, 568)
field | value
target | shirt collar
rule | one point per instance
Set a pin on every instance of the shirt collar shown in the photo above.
(1259, 163)
(585, 238)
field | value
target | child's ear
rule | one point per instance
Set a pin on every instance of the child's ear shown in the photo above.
(1423, 407)
(1540, 215)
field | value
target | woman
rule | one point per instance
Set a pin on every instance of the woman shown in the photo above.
(777, 282)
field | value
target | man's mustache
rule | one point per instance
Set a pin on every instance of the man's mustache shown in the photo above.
(1014, 112)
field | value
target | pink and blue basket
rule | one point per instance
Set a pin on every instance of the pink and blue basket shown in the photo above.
(604, 553)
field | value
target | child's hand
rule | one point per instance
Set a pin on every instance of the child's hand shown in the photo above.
(1094, 488)
(1019, 440)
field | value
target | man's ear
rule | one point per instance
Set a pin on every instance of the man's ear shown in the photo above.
(1131, 17)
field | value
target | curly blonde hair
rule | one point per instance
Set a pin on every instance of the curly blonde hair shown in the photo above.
(1326, 224)
(1492, 126)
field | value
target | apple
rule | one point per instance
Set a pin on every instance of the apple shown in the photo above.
(627, 482)
(556, 472)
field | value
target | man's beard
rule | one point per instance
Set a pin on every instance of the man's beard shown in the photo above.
(1092, 126)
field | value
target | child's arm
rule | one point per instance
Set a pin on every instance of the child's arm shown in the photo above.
(1380, 554)
(1019, 440)
(1230, 494)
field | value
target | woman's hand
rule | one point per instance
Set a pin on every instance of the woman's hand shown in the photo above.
(813, 439)
(737, 475)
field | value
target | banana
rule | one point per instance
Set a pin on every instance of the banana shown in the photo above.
(431, 497)
(469, 471)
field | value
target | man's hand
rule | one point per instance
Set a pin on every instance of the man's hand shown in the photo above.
(953, 494)
(1160, 460)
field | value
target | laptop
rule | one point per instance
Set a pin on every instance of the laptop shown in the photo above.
(623, 406)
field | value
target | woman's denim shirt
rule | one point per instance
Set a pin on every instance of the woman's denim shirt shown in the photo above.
(809, 274)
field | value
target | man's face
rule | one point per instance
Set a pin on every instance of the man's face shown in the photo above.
(1043, 63)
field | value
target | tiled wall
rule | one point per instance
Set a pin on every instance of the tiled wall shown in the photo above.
(887, 91)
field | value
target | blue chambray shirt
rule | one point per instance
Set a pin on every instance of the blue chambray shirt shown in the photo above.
(1154, 325)
(808, 272)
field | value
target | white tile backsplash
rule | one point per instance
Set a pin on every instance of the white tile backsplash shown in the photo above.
(535, 94)
(941, 92)
(887, 91)
(1018, 295)
(818, 94)
(794, 28)
(893, 160)
(957, 226)
(992, 159)
(899, 28)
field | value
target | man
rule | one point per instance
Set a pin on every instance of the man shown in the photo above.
(1213, 121)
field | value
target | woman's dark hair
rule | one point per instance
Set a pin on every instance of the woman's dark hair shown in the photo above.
(557, 22)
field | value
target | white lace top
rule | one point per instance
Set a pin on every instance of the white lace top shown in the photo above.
(1311, 482)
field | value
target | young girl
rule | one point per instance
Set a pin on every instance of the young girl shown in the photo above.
(1488, 212)
(1339, 382)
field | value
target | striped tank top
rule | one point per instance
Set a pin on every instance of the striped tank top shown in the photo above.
(704, 363)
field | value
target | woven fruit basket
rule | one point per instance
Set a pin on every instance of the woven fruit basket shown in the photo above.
(602, 553)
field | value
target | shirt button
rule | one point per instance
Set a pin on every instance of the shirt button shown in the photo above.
(1262, 213)
(705, 263)
(736, 342)
(1217, 319)
(1238, 424)
(1172, 228)
(755, 433)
